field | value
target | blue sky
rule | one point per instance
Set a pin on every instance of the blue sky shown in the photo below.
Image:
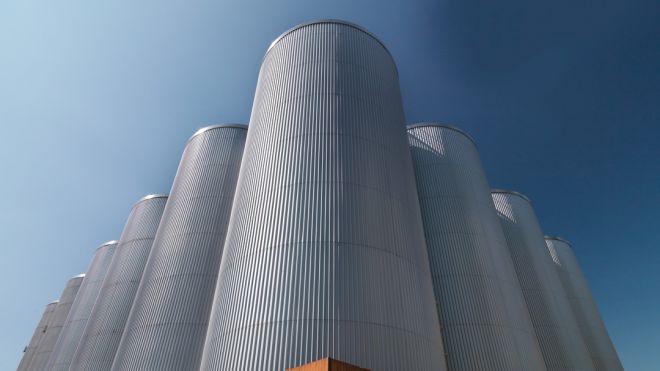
(97, 100)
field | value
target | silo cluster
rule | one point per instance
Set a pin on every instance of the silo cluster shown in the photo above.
(327, 229)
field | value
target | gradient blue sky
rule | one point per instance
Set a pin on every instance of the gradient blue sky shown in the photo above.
(97, 100)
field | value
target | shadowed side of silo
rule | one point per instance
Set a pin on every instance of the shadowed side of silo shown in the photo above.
(485, 322)
(38, 334)
(81, 308)
(106, 322)
(561, 344)
(593, 330)
(168, 321)
(47, 343)
(325, 253)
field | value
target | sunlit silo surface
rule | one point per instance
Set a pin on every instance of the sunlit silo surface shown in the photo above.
(325, 253)
(74, 325)
(167, 325)
(485, 322)
(584, 307)
(561, 344)
(38, 334)
(47, 343)
(106, 322)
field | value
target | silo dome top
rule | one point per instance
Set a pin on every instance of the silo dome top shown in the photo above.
(211, 127)
(558, 239)
(511, 193)
(149, 197)
(440, 125)
(320, 21)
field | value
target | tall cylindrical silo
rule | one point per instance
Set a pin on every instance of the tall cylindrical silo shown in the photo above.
(325, 253)
(168, 321)
(106, 322)
(485, 322)
(81, 308)
(38, 334)
(47, 343)
(561, 344)
(593, 330)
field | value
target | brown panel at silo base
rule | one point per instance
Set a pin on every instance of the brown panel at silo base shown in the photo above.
(327, 364)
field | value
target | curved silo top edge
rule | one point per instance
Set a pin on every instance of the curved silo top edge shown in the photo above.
(558, 239)
(321, 21)
(440, 125)
(81, 275)
(111, 242)
(511, 193)
(211, 127)
(53, 302)
(149, 197)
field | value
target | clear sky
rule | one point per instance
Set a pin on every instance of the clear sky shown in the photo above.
(98, 98)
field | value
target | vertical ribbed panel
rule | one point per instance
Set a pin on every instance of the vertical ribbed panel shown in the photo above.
(592, 327)
(76, 321)
(325, 253)
(168, 321)
(554, 323)
(47, 343)
(485, 321)
(105, 326)
(38, 334)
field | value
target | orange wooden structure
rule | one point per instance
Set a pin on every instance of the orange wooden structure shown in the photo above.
(327, 364)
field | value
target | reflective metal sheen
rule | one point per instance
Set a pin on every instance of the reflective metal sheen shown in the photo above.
(81, 308)
(484, 318)
(167, 324)
(38, 334)
(325, 253)
(55, 324)
(560, 340)
(106, 322)
(602, 351)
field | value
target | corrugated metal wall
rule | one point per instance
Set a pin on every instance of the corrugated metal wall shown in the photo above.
(556, 329)
(485, 321)
(325, 253)
(102, 334)
(38, 334)
(81, 308)
(167, 325)
(47, 343)
(598, 342)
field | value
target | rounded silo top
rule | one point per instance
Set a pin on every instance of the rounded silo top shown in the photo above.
(81, 275)
(211, 127)
(511, 193)
(149, 197)
(321, 21)
(440, 125)
(558, 239)
(111, 242)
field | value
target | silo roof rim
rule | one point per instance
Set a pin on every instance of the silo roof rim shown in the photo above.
(440, 125)
(511, 192)
(329, 20)
(154, 195)
(111, 242)
(211, 127)
(558, 239)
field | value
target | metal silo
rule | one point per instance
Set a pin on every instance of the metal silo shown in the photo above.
(106, 322)
(81, 308)
(38, 334)
(47, 343)
(168, 321)
(325, 253)
(602, 351)
(556, 329)
(485, 322)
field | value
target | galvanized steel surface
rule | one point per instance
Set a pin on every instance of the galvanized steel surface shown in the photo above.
(102, 334)
(167, 324)
(592, 327)
(485, 321)
(47, 343)
(81, 308)
(325, 253)
(561, 344)
(38, 334)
